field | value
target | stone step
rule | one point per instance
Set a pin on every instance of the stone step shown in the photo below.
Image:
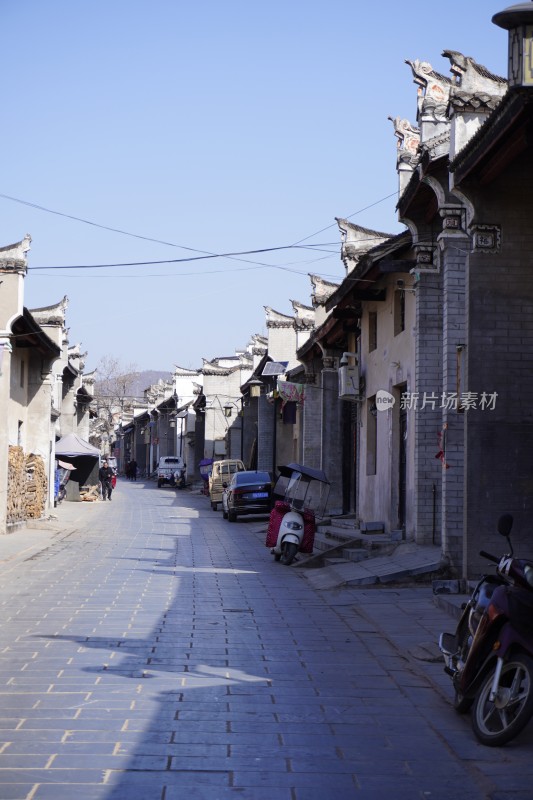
(333, 562)
(405, 563)
(354, 554)
(337, 531)
(330, 536)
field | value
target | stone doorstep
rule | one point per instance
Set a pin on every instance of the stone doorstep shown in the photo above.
(398, 568)
(353, 545)
(349, 522)
(355, 553)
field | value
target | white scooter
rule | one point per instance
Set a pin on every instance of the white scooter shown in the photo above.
(302, 494)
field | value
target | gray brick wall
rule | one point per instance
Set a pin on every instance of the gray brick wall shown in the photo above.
(428, 366)
(331, 437)
(312, 423)
(454, 255)
(265, 435)
(499, 358)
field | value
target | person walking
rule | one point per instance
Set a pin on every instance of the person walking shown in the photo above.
(133, 470)
(105, 476)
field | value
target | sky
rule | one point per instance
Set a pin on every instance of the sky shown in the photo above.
(162, 130)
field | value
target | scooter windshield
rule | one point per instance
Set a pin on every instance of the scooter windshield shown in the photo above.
(303, 493)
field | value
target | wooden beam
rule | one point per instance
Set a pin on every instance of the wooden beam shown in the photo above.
(398, 265)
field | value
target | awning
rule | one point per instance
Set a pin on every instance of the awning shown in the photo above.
(73, 445)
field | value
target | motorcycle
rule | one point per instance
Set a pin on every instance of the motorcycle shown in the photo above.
(62, 476)
(490, 656)
(179, 478)
(302, 495)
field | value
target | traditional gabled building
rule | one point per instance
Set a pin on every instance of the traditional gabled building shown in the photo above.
(71, 397)
(40, 389)
(329, 427)
(439, 316)
(373, 314)
(220, 403)
(436, 214)
(269, 423)
(492, 173)
(320, 293)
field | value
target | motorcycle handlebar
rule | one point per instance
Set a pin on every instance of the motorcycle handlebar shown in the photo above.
(489, 556)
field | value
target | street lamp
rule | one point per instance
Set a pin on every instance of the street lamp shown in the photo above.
(518, 20)
(255, 387)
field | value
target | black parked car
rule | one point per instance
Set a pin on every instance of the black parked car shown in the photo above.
(248, 492)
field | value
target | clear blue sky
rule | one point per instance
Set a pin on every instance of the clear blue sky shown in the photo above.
(220, 126)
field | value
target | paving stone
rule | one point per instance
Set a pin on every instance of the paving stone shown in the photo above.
(148, 665)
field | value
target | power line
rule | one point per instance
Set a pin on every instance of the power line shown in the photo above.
(355, 213)
(204, 253)
(191, 258)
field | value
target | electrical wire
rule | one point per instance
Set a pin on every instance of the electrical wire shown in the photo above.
(355, 213)
(185, 260)
(203, 253)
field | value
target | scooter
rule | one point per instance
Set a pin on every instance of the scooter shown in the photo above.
(62, 486)
(490, 656)
(302, 494)
(178, 477)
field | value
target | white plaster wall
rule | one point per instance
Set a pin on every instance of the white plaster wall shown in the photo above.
(390, 364)
(282, 345)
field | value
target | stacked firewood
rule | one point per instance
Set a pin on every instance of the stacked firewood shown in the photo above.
(90, 493)
(36, 487)
(16, 485)
(27, 486)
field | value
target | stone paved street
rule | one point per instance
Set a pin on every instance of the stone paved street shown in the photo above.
(154, 651)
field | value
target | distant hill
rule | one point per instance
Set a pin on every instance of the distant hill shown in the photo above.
(146, 378)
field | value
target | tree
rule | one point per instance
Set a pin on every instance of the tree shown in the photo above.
(113, 391)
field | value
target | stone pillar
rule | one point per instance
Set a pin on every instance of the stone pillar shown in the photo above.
(265, 435)
(5, 379)
(332, 434)
(311, 426)
(249, 433)
(426, 414)
(454, 249)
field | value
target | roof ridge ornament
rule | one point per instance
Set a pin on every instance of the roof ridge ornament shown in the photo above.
(433, 93)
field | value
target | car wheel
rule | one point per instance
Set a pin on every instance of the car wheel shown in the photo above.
(232, 515)
(159, 484)
(214, 506)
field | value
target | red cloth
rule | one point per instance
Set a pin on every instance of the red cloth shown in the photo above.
(113, 481)
(309, 533)
(277, 514)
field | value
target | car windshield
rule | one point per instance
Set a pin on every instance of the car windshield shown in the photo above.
(248, 478)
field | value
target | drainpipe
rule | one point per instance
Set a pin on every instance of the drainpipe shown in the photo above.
(434, 493)
(274, 435)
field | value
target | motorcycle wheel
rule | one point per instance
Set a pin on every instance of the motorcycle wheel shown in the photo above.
(289, 553)
(497, 722)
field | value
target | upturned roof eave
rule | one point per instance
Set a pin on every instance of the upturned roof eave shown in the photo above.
(515, 109)
(394, 245)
